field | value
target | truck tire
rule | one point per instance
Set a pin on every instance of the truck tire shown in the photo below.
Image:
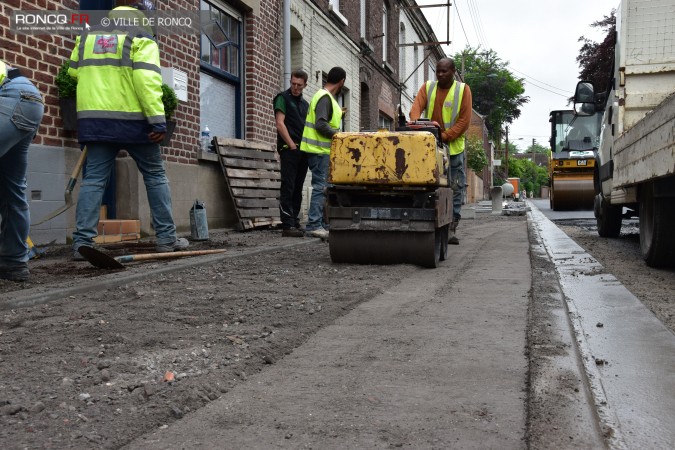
(608, 217)
(657, 242)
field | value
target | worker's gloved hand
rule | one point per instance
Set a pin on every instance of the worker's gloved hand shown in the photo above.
(156, 137)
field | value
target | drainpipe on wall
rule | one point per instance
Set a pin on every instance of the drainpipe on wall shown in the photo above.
(287, 44)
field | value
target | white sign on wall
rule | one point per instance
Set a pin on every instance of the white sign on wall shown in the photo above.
(177, 79)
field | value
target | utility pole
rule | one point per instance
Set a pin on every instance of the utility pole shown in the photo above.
(506, 152)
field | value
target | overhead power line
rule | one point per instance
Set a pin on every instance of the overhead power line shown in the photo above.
(478, 23)
(482, 39)
(567, 93)
(461, 23)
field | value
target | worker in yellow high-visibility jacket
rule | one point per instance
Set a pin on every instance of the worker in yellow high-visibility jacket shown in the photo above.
(119, 107)
(323, 121)
(449, 103)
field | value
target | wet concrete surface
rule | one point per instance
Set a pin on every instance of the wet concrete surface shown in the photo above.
(626, 351)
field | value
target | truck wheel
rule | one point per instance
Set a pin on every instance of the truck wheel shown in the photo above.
(657, 242)
(608, 217)
(551, 197)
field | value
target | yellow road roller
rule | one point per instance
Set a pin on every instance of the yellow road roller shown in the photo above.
(574, 141)
(388, 200)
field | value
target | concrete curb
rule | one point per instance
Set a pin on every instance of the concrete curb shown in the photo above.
(626, 351)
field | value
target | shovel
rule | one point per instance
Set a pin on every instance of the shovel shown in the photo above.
(103, 261)
(69, 189)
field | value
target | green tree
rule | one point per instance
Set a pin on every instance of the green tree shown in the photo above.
(497, 93)
(476, 159)
(532, 177)
(536, 148)
(596, 59)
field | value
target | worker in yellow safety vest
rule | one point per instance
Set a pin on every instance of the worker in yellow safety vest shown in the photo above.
(323, 121)
(449, 103)
(21, 111)
(119, 107)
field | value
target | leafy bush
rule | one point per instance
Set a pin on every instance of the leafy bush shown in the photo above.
(170, 101)
(66, 84)
(476, 159)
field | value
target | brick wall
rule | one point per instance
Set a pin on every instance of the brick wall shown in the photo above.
(182, 52)
(39, 58)
(263, 69)
(477, 128)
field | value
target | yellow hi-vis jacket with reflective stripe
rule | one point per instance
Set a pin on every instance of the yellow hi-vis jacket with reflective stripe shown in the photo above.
(119, 89)
(451, 106)
(312, 140)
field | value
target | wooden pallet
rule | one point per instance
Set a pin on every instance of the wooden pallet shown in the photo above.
(253, 177)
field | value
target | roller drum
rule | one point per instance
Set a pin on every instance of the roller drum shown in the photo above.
(425, 249)
(572, 194)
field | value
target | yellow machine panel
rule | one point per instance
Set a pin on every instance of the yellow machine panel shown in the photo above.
(409, 158)
(573, 164)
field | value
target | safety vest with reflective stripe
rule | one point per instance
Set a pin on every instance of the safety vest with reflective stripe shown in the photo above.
(312, 140)
(451, 106)
(119, 89)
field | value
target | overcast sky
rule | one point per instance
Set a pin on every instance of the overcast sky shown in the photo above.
(539, 40)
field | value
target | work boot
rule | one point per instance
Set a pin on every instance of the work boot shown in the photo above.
(452, 239)
(319, 232)
(292, 232)
(77, 256)
(17, 272)
(177, 245)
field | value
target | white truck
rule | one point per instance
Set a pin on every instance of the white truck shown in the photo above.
(635, 163)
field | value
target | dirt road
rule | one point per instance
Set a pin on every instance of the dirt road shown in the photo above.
(100, 367)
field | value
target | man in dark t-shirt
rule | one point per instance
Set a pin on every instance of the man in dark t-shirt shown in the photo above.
(290, 111)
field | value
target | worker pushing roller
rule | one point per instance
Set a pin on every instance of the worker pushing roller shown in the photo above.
(448, 102)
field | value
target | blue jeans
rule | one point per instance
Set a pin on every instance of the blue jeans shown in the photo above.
(21, 111)
(318, 165)
(457, 173)
(100, 161)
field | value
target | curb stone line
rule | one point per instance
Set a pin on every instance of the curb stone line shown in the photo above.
(609, 423)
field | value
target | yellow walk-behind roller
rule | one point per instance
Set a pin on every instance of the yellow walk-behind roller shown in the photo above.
(389, 200)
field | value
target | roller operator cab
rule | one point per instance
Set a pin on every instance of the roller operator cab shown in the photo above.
(574, 142)
(388, 200)
(635, 164)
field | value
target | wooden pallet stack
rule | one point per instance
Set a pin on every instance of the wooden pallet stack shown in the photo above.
(253, 179)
